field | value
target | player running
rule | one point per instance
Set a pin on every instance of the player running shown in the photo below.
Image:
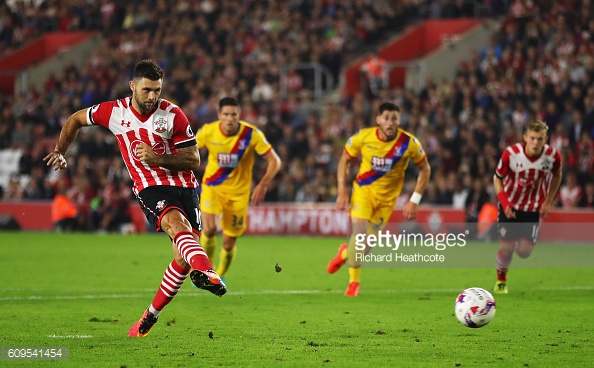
(160, 152)
(226, 185)
(385, 153)
(526, 181)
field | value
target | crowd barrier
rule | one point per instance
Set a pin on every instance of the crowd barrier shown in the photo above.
(323, 219)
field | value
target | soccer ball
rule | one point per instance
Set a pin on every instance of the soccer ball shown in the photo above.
(475, 307)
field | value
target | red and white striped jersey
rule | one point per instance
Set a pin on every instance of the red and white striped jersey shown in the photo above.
(166, 130)
(525, 179)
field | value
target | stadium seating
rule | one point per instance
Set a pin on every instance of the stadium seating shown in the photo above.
(463, 125)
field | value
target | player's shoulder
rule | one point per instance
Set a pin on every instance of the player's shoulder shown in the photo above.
(107, 110)
(551, 152)
(366, 132)
(254, 128)
(514, 149)
(247, 125)
(167, 105)
(212, 126)
(408, 134)
(121, 103)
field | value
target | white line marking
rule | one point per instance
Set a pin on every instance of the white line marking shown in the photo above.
(278, 292)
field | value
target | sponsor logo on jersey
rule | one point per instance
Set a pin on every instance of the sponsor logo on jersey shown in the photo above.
(381, 163)
(159, 148)
(523, 182)
(133, 147)
(227, 160)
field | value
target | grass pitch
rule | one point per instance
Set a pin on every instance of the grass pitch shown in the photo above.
(84, 291)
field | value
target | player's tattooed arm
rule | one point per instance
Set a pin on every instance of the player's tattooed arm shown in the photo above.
(187, 158)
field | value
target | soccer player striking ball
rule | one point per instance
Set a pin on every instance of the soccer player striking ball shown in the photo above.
(526, 180)
(226, 184)
(160, 152)
(385, 153)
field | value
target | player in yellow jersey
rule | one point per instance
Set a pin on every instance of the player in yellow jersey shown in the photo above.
(385, 152)
(227, 180)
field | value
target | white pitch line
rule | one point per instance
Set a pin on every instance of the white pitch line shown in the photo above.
(277, 292)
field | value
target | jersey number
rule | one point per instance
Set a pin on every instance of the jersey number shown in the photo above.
(236, 221)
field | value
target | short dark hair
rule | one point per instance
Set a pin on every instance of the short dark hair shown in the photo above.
(148, 69)
(227, 101)
(388, 106)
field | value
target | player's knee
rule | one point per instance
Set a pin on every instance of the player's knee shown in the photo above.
(209, 231)
(174, 222)
(228, 243)
(524, 250)
(524, 253)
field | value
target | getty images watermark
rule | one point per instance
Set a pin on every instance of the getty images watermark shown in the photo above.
(388, 247)
(471, 245)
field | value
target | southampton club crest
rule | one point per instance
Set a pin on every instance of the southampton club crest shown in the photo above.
(161, 205)
(546, 165)
(160, 125)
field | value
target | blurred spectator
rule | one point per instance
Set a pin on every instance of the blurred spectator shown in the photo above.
(535, 67)
(487, 217)
(110, 208)
(587, 199)
(21, 135)
(64, 212)
(293, 82)
(14, 191)
(570, 193)
(559, 139)
(584, 158)
(374, 71)
(459, 196)
(475, 200)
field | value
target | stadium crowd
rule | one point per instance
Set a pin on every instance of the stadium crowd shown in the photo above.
(540, 65)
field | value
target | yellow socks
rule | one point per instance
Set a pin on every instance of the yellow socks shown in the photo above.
(209, 245)
(354, 274)
(225, 261)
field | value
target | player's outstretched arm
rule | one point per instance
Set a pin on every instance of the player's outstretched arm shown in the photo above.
(412, 206)
(554, 187)
(342, 199)
(274, 165)
(67, 136)
(186, 158)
